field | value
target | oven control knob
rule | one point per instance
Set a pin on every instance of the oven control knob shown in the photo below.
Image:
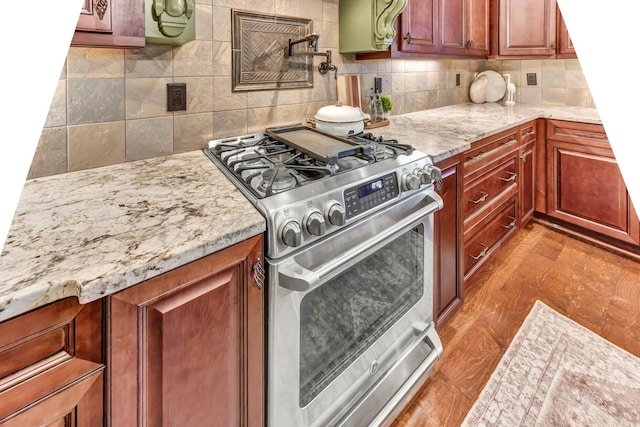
(434, 173)
(425, 177)
(410, 181)
(336, 214)
(291, 234)
(315, 224)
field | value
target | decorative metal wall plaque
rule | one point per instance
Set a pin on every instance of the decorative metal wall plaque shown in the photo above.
(259, 45)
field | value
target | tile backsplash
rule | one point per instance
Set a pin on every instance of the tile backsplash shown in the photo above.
(110, 104)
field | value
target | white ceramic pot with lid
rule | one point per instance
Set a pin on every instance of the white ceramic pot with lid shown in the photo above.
(340, 120)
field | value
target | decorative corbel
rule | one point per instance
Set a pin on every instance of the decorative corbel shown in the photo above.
(387, 12)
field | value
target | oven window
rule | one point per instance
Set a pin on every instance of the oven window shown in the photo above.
(343, 317)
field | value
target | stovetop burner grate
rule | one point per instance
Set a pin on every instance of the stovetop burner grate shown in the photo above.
(267, 166)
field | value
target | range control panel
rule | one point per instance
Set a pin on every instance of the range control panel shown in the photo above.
(367, 196)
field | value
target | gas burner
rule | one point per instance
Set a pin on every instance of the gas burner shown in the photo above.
(267, 165)
(277, 179)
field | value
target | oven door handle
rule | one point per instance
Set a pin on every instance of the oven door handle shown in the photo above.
(295, 277)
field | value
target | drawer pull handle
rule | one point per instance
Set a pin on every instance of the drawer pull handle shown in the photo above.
(591, 136)
(533, 132)
(258, 273)
(511, 224)
(511, 178)
(483, 197)
(480, 154)
(481, 254)
(509, 142)
(524, 157)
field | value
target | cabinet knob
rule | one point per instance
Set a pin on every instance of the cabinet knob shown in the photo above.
(469, 44)
(553, 45)
(407, 37)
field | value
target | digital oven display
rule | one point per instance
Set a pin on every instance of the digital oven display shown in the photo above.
(367, 196)
(370, 188)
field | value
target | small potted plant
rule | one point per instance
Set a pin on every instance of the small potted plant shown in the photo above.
(387, 105)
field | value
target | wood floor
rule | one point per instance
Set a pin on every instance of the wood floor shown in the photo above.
(596, 288)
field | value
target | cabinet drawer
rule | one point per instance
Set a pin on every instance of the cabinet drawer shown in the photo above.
(484, 154)
(589, 134)
(488, 234)
(487, 188)
(54, 351)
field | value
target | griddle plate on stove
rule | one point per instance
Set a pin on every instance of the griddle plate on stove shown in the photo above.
(319, 145)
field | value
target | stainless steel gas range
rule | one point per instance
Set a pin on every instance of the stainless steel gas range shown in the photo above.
(349, 256)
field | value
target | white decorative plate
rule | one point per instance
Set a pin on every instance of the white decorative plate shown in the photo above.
(496, 86)
(478, 90)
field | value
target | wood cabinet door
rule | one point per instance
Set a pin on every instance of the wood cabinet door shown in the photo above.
(418, 27)
(95, 16)
(52, 366)
(452, 31)
(186, 347)
(585, 188)
(448, 290)
(111, 23)
(477, 27)
(527, 28)
(565, 45)
(464, 27)
(527, 171)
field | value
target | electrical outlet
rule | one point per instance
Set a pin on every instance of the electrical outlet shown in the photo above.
(457, 79)
(377, 84)
(176, 96)
(532, 79)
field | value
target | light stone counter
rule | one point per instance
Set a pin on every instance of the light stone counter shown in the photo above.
(95, 232)
(444, 132)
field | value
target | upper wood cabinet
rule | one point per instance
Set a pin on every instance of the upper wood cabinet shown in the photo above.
(110, 23)
(465, 27)
(528, 29)
(523, 28)
(186, 347)
(565, 46)
(418, 27)
(440, 29)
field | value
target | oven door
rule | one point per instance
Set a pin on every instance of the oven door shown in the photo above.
(351, 319)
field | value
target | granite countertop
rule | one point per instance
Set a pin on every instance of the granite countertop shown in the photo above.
(447, 131)
(92, 233)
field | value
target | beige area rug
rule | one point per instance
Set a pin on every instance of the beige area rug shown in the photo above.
(558, 373)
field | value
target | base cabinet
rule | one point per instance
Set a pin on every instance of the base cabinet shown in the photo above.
(52, 366)
(448, 278)
(186, 347)
(498, 195)
(527, 159)
(584, 185)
